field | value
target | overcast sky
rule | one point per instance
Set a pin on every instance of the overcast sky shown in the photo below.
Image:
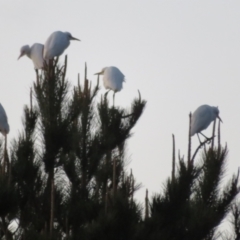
(179, 54)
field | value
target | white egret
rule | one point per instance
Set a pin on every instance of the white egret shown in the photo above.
(35, 53)
(4, 127)
(113, 79)
(56, 43)
(202, 118)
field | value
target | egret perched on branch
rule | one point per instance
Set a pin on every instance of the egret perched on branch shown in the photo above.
(113, 79)
(56, 43)
(4, 127)
(202, 118)
(35, 53)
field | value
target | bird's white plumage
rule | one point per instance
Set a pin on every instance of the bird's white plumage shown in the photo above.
(113, 78)
(35, 53)
(202, 118)
(56, 43)
(4, 127)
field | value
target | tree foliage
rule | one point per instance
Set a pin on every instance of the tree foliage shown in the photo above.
(64, 176)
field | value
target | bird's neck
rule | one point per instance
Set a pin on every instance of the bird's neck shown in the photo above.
(28, 52)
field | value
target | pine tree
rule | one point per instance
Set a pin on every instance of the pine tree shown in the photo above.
(68, 174)
(193, 202)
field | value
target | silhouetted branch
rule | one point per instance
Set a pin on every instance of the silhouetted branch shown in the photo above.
(213, 133)
(173, 158)
(198, 148)
(189, 139)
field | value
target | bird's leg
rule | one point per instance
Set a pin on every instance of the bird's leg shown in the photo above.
(113, 98)
(209, 139)
(199, 139)
(105, 95)
(203, 143)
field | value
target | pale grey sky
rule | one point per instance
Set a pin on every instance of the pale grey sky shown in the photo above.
(179, 54)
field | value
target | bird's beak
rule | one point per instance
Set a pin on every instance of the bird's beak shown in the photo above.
(73, 38)
(220, 119)
(21, 54)
(98, 73)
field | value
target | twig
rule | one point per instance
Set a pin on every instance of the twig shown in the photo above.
(31, 101)
(95, 90)
(64, 69)
(37, 75)
(146, 206)
(219, 134)
(189, 139)
(5, 155)
(139, 96)
(52, 205)
(213, 133)
(114, 177)
(139, 100)
(173, 159)
(126, 116)
(200, 145)
(85, 72)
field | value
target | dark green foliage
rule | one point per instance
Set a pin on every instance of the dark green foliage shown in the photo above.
(67, 166)
(66, 177)
(26, 174)
(194, 203)
(235, 219)
(51, 94)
